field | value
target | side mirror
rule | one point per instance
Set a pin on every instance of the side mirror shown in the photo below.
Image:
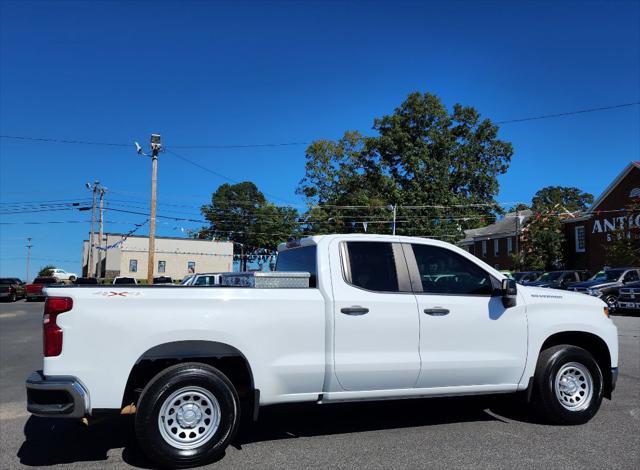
(509, 293)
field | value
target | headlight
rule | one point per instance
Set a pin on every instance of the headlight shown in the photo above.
(594, 292)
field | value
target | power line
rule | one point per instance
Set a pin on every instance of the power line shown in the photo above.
(62, 141)
(220, 175)
(285, 144)
(570, 113)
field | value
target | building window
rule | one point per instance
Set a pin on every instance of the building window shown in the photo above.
(509, 245)
(580, 241)
(484, 248)
(496, 246)
(191, 267)
(161, 266)
(133, 265)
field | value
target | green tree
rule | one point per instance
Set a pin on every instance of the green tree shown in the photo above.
(240, 213)
(542, 240)
(562, 198)
(46, 270)
(542, 237)
(439, 167)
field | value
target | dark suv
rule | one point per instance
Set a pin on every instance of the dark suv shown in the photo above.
(607, 283)
(629, 298)
(559, 279)
(526, 276)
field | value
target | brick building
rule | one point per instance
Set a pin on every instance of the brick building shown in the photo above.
(587, 235)
(495, 243)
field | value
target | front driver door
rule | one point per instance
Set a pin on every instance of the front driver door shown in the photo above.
(376, 324)
(467, 337)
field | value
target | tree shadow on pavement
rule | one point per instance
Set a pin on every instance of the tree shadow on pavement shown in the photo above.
(60, 441)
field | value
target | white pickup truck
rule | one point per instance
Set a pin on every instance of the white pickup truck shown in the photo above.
(384, 317)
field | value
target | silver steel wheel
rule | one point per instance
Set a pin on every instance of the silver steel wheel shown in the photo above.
(574, 386)
(189, 418)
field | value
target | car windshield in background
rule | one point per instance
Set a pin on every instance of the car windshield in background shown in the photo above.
(609, 275)
(299, 259)
(550, 276)
(124, 280)
(7, 280)
(45, 280)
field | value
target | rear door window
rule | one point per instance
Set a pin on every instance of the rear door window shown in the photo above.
(372, 266)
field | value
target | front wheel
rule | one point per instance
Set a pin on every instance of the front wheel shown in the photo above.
(568, 385)
(611, 301)
(187, 415)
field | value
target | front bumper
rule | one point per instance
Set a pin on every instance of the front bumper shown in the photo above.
(62, 397)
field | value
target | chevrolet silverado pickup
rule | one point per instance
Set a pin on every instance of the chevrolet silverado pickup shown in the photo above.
(380, 317)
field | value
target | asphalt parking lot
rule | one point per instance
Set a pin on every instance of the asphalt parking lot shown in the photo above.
(491, 432)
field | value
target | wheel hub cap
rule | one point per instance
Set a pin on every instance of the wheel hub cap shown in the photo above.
(189, 415)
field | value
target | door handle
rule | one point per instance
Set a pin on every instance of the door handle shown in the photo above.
(355, 310)
(437, 311)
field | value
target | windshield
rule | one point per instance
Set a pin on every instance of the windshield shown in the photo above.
(7, 280)
(609, 275)
(551, 276)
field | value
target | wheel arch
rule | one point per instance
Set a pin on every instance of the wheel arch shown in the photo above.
(225, 357)
(591, 343)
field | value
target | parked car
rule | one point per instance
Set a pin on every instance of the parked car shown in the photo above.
(606, 284)
(125, 281)
(34, 290)
(63, 275)
(629, 298)
(204, 279)
(191, 359)
(12, 289)
(527, 276)
(559, 279)
(85, 280)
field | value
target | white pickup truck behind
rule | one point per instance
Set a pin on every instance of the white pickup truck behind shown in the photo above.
(384, 317)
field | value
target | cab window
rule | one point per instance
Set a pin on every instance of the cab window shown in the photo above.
(443, 271)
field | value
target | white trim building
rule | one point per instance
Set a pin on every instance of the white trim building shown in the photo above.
(174, 257)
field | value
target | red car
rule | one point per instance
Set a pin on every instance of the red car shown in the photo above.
(34, 290)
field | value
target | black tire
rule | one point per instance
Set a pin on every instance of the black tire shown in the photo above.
(165, 384)
(72, 278)
(546, 400)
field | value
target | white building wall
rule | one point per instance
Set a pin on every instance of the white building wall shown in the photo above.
(207, 256)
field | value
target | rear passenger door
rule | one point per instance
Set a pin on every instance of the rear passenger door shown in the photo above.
(376, 323)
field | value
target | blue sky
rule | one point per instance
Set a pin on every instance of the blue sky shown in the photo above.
(227, 73)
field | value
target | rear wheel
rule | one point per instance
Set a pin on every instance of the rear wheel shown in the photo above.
(567, 386)
(187, 415)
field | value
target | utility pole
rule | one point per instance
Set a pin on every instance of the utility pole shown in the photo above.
(94, 189)
(29, 246)
(100, 231)
(394, 208)
(156, 147)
